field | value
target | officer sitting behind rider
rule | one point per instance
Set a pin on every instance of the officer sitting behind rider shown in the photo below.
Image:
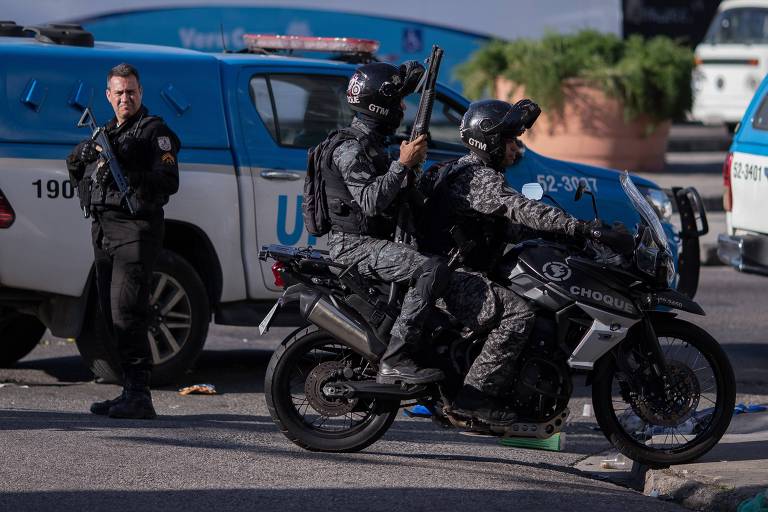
(362, 186)
(472, 193)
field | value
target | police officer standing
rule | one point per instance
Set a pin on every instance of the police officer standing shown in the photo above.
(472, 193)
(126, 245)
(362, 187)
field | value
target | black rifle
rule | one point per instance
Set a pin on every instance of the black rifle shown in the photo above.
(427, 99)
(108, 158)
(427, 86)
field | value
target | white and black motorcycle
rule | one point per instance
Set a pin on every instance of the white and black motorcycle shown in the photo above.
(663, 390)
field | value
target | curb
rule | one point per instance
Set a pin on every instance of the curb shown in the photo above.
(692, 492)
(678, 486)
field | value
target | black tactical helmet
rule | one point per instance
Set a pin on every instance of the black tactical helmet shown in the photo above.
(377, 89)
(487, 126)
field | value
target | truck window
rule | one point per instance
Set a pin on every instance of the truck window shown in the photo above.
(760, 121)
(301, 110)
(443, 126)
(263, 102)
(747, 25)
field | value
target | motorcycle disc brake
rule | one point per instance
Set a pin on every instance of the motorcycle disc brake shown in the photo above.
(321, 375)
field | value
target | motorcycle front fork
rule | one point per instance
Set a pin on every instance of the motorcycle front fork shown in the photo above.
(649, 348)
(653, 350)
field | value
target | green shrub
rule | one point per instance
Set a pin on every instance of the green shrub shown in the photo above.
(651, 77)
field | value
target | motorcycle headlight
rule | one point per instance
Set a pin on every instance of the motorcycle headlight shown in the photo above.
(646, 259)
(652, 261)
(659, 202)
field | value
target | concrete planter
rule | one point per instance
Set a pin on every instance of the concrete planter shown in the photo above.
(592, 130)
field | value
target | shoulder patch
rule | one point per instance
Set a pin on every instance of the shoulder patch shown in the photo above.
(168, 159)
(164, 143)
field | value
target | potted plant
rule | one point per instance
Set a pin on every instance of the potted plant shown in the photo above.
(605, 101)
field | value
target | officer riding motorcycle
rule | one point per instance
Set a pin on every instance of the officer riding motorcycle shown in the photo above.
(471, 196)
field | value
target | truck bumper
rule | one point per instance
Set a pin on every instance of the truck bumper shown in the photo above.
(746, 253)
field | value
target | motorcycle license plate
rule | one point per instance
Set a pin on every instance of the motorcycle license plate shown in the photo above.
(264, 325)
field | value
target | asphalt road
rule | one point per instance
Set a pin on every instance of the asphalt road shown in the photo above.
(736, 307)
(223, 452)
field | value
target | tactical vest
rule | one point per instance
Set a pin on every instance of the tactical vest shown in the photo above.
(103, 190)
(344, 212)
(434, 237)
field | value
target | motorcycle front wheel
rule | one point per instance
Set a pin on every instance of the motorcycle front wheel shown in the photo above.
(687, 419)
(295, 387)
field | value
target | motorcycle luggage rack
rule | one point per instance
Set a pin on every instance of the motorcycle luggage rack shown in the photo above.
(309, 255)
(296, 253)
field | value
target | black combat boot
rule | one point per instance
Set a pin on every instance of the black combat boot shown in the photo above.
(137, 404)
(397, 365)
(102, 408)
(474, 404)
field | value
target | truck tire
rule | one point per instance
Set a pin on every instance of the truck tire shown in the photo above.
(19, 335)
(179, 318)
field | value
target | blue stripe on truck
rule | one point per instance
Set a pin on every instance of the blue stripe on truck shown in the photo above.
(60, 152)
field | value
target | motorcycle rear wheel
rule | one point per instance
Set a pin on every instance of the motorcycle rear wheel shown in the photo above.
(657, 438)
(293, 386)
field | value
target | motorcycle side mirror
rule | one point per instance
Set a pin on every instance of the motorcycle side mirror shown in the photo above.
(580, 190)
(533, 191)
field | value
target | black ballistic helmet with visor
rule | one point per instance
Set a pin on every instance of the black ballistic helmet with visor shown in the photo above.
(487, 126)
(377, 89)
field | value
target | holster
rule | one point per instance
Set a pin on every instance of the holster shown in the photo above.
(84, 188)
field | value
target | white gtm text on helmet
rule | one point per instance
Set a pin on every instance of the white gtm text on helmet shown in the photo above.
(379, 110)
(479, 145)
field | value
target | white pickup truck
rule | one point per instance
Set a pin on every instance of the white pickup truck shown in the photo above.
(745, 175)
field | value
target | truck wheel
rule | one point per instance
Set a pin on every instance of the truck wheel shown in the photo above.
(178, 325)
(19, 334)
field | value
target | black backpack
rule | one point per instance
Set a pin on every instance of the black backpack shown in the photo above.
(314, 208)
(433, 227)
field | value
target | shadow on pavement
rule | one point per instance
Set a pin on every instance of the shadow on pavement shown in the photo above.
(745, 450)
(54, 420)
(425, 432)
(65, 369)
(336, 499)
(239, 371)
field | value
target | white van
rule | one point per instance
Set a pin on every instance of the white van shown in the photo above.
(731, 62)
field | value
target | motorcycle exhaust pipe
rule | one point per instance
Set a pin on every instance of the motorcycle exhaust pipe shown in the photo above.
(323, 313)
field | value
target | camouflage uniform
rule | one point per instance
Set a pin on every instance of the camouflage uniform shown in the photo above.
(379, 258)
(476, 189)
(481, 304)
(480, 189)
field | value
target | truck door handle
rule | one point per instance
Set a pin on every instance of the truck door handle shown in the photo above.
(275, 174)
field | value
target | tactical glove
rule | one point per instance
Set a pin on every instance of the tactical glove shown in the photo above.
(87, 151)
(411, 72)
(616, 238)
(529, 110)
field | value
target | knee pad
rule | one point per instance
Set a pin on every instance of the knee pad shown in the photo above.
(431, 277)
